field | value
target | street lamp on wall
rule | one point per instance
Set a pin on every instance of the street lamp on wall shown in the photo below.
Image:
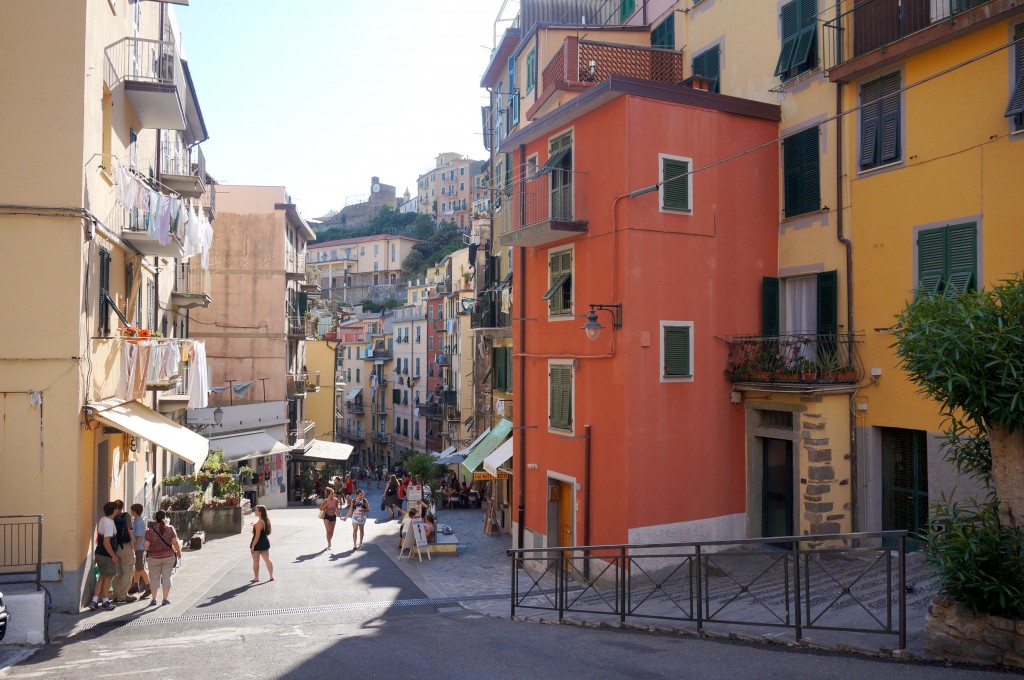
(218, 415)
(593, 327)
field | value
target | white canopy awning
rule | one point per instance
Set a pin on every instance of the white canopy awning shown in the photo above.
(328, 450)
(144, 422)
(248, 445)
(444, 454)
(353, 393)
(465, 452)
(500, 455)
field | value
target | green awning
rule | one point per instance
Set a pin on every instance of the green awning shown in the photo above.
(486, 446)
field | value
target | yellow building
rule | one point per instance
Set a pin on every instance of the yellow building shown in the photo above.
(101, 139)
(931, 151)
(362, 267)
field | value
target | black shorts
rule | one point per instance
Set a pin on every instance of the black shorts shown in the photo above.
(331, 518)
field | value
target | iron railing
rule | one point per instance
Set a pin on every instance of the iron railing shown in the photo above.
(297, 384)
(147, 61)
(431, 410)
(873, 24)
(835, 582)
(545, 195)
(177, 158)
(378, 353)
(300, 326)
(800, 358)
(192, 280)
(21, 549)
(487, 314)
(352, 435)
(209, 200)
(354, 408)
(302, 435)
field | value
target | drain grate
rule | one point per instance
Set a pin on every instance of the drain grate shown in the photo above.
(143, 620)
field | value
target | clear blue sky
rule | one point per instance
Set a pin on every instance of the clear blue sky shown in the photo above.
(322, 95)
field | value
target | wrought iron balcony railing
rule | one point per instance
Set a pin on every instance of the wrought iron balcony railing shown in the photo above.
(300, 326)
(873, 24)
(547, 203)
(153, 80)
(182, 168)
(798, 358)
(354, 408)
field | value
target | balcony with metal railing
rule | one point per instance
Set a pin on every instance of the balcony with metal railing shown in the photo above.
(382, 438)
(302, 435)
(581, 64)
(379, 354)
(443, 359)
(351, 435)
(295, 266)
(297, 385)
(488, 317)
(300, 327)
(134, 229)
(547, 204)
(379, 408)
(354, 408)
(794, 361)
(182, 168)
(153, 80)
(431, 410)
(873, 33)
(209, 201)
(191, 287)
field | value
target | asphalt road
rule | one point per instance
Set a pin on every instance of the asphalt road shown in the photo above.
(356, 614)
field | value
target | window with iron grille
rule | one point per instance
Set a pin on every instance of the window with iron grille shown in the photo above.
(781, 420)
(560, 396)
(708, 64)
(904, 479)
(559, 294)
(880, 121)
(947, 259)
(799, 38)
(801, 173)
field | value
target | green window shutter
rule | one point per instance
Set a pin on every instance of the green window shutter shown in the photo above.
(828, 303)
(508, 369)
(561, 397)
(531, 70)
(675, 193)
(664, 35)
(801, 173)
(626, 8)
(961, 258)
(931, 260)
(405, 398)
(707, 64)
(559, 295)
(790, 37)
(513, 93)
(396, 396)
(804, 52)
(769, 306)
(1016, 105)
(303, 303)
(870, 115)
(104, 291)
(498, 354)
(554, 393)
(889, 127)
(677, 351)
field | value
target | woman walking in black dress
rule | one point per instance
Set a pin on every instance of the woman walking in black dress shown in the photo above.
(260, 545)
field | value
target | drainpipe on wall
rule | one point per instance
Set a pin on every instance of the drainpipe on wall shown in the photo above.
(520, 280)
(848, 245)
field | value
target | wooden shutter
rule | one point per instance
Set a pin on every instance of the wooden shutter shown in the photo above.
(870, 115)
(508, 369)
(828, 304)
(396, 396)
(513, 93)
(1016, 105)
(677, 351)
(961, 258)
(931, 260)
(561, 396)
(626, 8)
(707, 64)
(801, 173)
(498, 356)
(803, 53)
(150, 305)
(104, 291)
(675, 193)
(531, 70)
(664, 35)
(890, 119)
(790, 37)
(769, 306)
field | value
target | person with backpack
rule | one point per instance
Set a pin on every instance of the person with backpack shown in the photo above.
(105, 556)
(391, 501)
(125, 549)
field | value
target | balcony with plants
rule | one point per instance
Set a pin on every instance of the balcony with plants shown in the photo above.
(794, 361)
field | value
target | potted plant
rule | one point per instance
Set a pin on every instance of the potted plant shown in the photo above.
(174, 480)
(246, 474)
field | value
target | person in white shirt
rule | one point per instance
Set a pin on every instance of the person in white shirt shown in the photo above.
(106, 557)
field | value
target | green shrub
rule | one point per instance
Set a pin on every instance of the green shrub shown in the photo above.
(978, 561)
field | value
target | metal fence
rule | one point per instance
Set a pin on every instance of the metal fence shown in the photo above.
(837, 582)
(21, 549)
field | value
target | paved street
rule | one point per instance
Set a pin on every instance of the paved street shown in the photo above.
(366, 613)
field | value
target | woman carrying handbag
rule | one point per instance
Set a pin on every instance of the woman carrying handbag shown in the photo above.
(164, 553)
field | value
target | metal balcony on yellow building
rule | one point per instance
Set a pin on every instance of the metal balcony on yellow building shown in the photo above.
(191, 287)
(794, 361)
(153, 81)
(182, 168)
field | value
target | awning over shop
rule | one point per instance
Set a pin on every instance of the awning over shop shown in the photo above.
(144, 422)
(451, 459)
(353, 393)
(500, 455)
(465, 452)
(328, 451)
(248, 445)
(444, 454)
(486, 447)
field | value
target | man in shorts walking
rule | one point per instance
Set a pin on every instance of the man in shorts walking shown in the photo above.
(106, 557)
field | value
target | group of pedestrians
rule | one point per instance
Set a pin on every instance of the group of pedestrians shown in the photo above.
(358, 509)
(124, 546)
